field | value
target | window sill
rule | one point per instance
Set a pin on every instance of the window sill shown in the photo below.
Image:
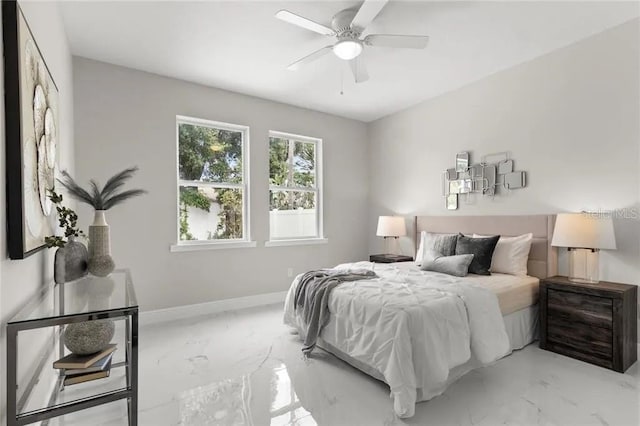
(301, 242)
(212, 246)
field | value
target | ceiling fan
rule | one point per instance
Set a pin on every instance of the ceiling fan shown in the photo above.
(347, 26)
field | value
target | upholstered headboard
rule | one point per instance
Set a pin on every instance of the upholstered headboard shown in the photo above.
(543, 259)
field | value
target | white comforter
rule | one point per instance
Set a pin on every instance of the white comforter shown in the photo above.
(411, 328)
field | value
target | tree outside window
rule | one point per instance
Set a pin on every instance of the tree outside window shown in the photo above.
(211, 180)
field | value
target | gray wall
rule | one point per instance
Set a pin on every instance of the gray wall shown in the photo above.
(21, 280)
(571, 120)
(126, 117)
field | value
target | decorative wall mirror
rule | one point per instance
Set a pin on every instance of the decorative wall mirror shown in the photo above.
(505, 167)
(452, 202)
(476, 171)
(465, 186)
(489, 172)
(462, 162)
(514, 180)
(486, 178)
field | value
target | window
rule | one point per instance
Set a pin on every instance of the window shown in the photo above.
(212, 182)
(295, 187)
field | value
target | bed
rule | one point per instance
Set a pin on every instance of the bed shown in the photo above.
(420, 331)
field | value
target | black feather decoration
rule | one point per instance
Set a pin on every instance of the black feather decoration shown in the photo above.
(121, 197)
(108, 196)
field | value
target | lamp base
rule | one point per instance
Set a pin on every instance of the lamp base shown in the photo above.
(391, 245)
(584, 265)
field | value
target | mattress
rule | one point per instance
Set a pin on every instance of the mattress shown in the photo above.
(514, 292)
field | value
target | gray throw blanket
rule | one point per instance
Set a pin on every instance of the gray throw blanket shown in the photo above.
(312, 299)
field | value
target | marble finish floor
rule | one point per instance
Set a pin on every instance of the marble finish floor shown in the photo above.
(245, 368)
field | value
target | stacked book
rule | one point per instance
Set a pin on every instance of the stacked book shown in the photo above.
(84, 368)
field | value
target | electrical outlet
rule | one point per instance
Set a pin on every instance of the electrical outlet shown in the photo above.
(289, 272)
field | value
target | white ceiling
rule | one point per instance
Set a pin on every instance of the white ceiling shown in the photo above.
(240, 46)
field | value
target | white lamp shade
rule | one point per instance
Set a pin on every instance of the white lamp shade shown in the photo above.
(391, 226)
(584, 230)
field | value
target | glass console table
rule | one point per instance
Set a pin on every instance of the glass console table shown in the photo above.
(41, 394)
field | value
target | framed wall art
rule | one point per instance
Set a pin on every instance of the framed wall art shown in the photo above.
(31, 122)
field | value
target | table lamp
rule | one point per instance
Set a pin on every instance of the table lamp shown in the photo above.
(391, 227)
(584, 235)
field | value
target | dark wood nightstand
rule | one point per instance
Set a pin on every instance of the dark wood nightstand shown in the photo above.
(389, 258)
(596, 323)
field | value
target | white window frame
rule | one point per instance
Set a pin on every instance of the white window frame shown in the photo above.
(318, 190)
(193, 245)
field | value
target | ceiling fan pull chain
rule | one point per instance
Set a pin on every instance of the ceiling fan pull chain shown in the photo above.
(341, 80)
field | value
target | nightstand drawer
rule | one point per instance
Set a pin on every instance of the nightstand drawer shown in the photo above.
(579, 354)
(595, 341)
(586, 309)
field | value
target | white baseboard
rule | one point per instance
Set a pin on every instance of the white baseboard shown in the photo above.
(216, 306)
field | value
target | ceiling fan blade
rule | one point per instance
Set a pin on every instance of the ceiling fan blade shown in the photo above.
(309, 58)
(367, 13)
(393, 40)
(359, 70)
(300, 21)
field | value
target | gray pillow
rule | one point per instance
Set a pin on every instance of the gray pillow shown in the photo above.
(482, 250)
(457, 265)
(444, 244)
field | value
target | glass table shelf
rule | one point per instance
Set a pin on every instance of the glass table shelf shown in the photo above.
(83, 296)
(41, 394)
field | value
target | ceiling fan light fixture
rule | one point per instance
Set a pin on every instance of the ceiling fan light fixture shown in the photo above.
(347, 49)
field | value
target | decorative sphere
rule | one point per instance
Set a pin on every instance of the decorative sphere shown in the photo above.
(88, 337)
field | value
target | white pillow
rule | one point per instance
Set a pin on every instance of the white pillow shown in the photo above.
(511, 254)
(420, 252)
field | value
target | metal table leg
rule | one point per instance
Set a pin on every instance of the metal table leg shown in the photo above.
(132, 368)
(12, 375)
